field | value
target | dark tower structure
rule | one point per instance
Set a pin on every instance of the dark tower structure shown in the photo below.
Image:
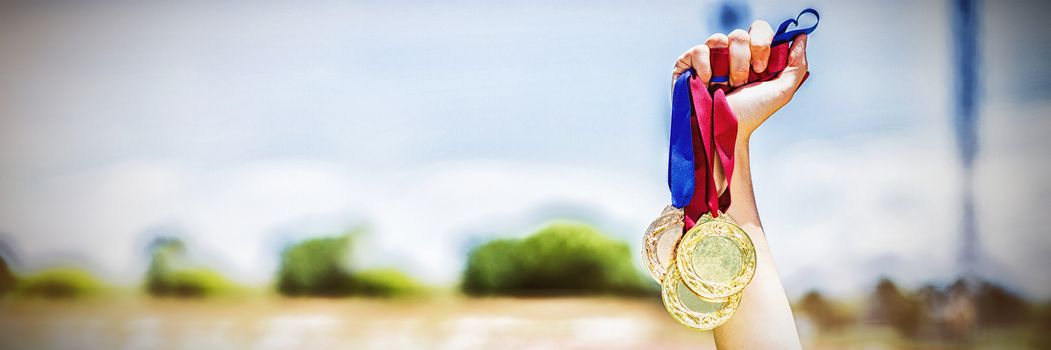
(965, 29)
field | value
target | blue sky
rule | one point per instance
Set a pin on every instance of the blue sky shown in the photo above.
(243, 127)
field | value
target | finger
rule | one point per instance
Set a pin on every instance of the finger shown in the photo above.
(682, 64)
(716, 41)
(762, 35)
(740, 57)
(700, 57)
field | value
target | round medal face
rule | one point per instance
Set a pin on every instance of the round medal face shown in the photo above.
(716, 258)
(690, 309)
(658, 244)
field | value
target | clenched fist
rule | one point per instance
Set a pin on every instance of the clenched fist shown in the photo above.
(752, 103)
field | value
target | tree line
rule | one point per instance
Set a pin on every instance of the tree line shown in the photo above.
(563, 258)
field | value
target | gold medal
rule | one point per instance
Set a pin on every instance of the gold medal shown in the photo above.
(716, 258)
(690, 309)
(660, 240)
(662, 249)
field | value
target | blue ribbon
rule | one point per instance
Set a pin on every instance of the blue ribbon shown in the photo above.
(783, 35)
(680, 154)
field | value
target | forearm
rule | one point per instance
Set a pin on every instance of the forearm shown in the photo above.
(764, 318)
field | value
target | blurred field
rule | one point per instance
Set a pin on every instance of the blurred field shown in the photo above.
(437, 323)
(281, 323)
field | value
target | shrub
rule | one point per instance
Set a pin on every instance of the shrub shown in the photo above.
(385, 283)
(1042, 324)
(560, 259)
(7, 278)
(320, 267)
(59, 283)
(168, 274)
(998, 306)
(892, 307)
(195, 282)
(317, 266)
(824, 313)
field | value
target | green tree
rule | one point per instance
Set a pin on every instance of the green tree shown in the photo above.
(170, 275)
(321, 267)
(163, 253)
(560, 259)
(317, 266)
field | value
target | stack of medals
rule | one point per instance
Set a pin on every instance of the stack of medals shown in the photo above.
(704, 271)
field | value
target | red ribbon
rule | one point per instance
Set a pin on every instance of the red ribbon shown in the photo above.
(715, 131)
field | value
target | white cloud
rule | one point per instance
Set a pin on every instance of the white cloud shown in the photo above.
(95, 214)
(418, 219)
(838, 213)
(1014, 195)
(430, 215)
(836, 210)
(841, 212)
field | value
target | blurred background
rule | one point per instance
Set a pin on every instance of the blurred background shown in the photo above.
(473, 174)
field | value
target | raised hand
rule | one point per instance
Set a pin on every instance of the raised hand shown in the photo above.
(764, 318)
(752, 103)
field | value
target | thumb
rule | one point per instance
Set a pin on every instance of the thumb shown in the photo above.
(797, 57)
(796, 70)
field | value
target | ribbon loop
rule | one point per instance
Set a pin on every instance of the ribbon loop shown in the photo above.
(720, 57)
(783, 35)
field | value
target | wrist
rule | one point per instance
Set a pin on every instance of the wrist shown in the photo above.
(744, 135)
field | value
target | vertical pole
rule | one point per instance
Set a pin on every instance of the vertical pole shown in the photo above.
(965, 31)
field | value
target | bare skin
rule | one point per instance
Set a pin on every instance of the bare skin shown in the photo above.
(764, 318)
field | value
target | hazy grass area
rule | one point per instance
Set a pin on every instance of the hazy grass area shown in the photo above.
(258, 321)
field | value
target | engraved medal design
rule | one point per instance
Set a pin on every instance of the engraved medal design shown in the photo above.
(691, 310)
(716, 258)
(711, 253)
(660, 241)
